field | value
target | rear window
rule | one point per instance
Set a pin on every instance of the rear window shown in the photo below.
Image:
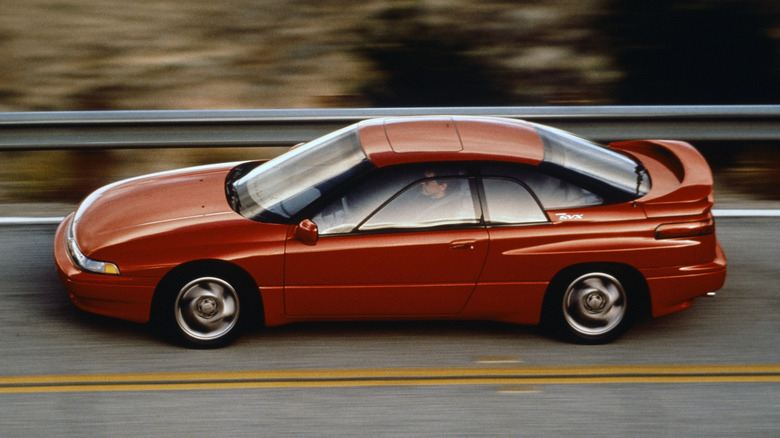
(593, 160)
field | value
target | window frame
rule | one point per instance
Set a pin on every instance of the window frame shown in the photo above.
(448, 169)
(503, 169)
(486, 204)
(474, 172)
(476, 203)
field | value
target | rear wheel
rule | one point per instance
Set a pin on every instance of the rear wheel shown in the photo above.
(204, 311)
(590, 307)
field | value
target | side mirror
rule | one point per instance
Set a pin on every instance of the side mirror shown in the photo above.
(306, 232)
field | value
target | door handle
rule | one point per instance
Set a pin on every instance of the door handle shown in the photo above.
(463, 244)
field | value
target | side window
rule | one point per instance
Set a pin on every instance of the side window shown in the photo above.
(432, 202)
(508, 202)
(556, 193)
(344, 213)
(553, 193)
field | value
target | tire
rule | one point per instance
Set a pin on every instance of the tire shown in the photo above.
(203, 311)
(590, 306)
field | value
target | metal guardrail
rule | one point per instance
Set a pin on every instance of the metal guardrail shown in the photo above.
(236, 128)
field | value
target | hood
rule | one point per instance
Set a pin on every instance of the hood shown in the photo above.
(152, 204)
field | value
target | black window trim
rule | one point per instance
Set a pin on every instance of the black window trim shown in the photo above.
(486, 208)
(475, 173)
(608, 193)
(356, 231)
(475, 202)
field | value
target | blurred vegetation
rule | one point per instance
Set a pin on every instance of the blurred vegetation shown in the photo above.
(199, 54)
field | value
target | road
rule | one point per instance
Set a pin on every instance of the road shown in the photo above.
(712, 370)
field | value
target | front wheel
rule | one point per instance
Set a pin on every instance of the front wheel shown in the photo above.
(590, 307)
(202, 311)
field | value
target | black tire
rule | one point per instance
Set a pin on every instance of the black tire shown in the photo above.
(591, 306)
(203, 310)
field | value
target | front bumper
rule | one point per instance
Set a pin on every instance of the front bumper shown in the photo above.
(674, 289)
(118, 296)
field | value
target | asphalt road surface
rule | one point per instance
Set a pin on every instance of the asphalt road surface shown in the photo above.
(712, 370)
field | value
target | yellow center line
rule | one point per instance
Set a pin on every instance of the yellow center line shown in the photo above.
(515, 375)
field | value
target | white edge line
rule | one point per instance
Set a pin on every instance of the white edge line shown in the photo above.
(31, 220)
(745, 213)
(717, 213)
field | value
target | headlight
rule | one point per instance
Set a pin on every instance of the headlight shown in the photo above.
(85, 263)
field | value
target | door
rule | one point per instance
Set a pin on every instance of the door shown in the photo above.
(420, 253)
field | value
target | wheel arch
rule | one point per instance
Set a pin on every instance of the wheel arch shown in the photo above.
(636, 286)
(212, 267)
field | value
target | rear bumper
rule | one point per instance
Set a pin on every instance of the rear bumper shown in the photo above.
(674, 289)
(117, 296)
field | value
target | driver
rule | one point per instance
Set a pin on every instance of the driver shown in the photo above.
(433, 188)
(448, 198)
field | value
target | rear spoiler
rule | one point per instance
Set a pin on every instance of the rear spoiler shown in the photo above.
(680, 176)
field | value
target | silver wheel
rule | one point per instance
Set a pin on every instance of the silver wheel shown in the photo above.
(594, 304)
(206, 309)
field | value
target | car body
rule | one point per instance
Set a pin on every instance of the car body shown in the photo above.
(441, 217)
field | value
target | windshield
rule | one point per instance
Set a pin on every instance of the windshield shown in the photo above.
(281, 188)
(594, 160)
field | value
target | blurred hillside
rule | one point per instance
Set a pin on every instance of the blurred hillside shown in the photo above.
(202, 54)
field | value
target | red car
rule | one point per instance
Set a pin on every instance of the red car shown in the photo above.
(404, 218)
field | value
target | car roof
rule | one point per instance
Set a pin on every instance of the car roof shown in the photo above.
(398, 140)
